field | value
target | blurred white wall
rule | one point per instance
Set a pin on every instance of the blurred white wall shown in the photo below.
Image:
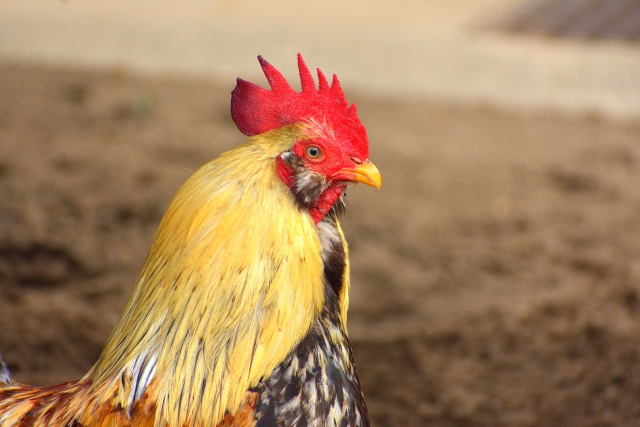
(407, 47)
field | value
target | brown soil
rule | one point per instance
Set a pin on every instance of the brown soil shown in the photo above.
(496, 276)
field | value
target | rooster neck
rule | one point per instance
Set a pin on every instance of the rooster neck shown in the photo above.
(232, 283)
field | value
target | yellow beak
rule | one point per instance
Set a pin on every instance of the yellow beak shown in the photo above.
(366, 173)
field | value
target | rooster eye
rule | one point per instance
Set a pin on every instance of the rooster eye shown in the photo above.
(313, 152)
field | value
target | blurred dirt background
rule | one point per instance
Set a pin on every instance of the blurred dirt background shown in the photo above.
(496, 275)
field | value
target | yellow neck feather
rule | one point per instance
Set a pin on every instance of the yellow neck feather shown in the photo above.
(232, 282)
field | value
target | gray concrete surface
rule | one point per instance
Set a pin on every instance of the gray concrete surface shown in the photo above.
(417, 48)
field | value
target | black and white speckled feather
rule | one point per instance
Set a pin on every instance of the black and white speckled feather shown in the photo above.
(317, 384)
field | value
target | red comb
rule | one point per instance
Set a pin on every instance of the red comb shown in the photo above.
(256, 110)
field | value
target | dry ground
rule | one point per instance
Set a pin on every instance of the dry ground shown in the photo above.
(496, 275)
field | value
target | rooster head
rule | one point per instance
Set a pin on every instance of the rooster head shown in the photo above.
(330, 148)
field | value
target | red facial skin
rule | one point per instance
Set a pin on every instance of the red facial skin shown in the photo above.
(324, 111)
(330, 161)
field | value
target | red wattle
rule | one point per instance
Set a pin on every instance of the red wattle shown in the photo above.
(323, 205)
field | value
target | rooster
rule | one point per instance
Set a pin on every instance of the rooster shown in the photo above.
(238, 317)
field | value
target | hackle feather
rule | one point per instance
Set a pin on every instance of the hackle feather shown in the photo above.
(232, 282)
